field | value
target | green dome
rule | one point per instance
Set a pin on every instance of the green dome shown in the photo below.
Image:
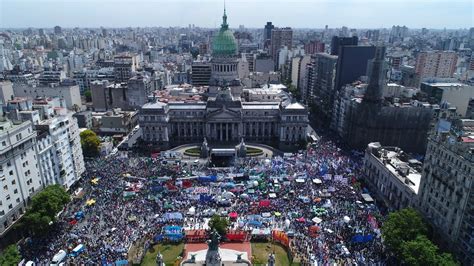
(224, 42)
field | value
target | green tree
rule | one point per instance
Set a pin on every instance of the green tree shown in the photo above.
(422, 251)
(10, 256)
(43, 209)
(219, 224)
(419, 251)
(402, 226)
(88, 95)
(90, 143)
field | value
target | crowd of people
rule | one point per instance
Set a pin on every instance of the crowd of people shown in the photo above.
(315, 196)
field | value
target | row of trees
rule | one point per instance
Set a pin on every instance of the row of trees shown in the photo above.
(405, 234)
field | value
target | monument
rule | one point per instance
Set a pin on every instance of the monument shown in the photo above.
(212, 256)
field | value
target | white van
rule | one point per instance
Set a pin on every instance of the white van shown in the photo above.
(58, 258)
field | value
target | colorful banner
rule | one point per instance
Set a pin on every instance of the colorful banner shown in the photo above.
(281, 237)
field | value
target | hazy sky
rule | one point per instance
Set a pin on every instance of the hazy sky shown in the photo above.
(251, 13)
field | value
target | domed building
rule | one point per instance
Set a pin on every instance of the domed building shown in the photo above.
(224, 57)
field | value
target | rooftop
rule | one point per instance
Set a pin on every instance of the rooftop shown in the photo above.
(406, 169)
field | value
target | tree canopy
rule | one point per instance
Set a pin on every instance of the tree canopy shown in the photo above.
(422, 251)
(43, 209)
(405, 234)
(10, 256)
(90, 143)
(218, 223)
(402, 226)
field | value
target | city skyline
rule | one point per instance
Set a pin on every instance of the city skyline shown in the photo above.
(147, 13)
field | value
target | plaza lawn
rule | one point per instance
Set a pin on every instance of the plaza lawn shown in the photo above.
(194, 152)
(260, 253)
(169, 252)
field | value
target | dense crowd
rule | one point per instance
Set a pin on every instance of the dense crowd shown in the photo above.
(320, 182)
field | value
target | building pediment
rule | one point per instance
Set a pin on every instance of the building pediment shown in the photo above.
(223, 114)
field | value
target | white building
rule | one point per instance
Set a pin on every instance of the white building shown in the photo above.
(70, 94)
(63, 141)
(19, 175)
(393, 176)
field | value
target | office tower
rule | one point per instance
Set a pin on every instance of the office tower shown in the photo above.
(352, 63)
(58, 30)
(200, 73)
(398, 33)
(19, 173)
(281, 37)
(447, 186)
(267, 35)
(337, 42)
(436, 64)
(321, 86)
(313, 47)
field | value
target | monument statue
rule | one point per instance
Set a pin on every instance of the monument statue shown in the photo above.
(212, 257)
(204, 149)
(159, 259)
(242, 149)
(271, 260)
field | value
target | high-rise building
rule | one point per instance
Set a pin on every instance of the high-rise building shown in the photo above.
(369, 118)
(313, 47)
(436, 64)
(321, 86)
(398, 33)
(58, 30)
(352, 63)
(19, 175)
(267, 35)
(281, 37)
(447, 185)
(337, 42)
(124, 66)
(138, 89)
(200, 73)
(59, 150)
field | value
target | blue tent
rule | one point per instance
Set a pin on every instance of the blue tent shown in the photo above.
(173, 216)
(254, 223)
(210, 178)
(173, 232)
(323, 170)
(121, 262)
(228, 185)
(362, 239)
(205, 198)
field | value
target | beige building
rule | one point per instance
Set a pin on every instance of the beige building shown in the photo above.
(447, 186)
(436, 64)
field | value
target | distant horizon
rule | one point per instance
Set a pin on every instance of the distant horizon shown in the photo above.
(298, 14)
(232, 28)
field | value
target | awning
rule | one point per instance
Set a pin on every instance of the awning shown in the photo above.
(367, 197)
